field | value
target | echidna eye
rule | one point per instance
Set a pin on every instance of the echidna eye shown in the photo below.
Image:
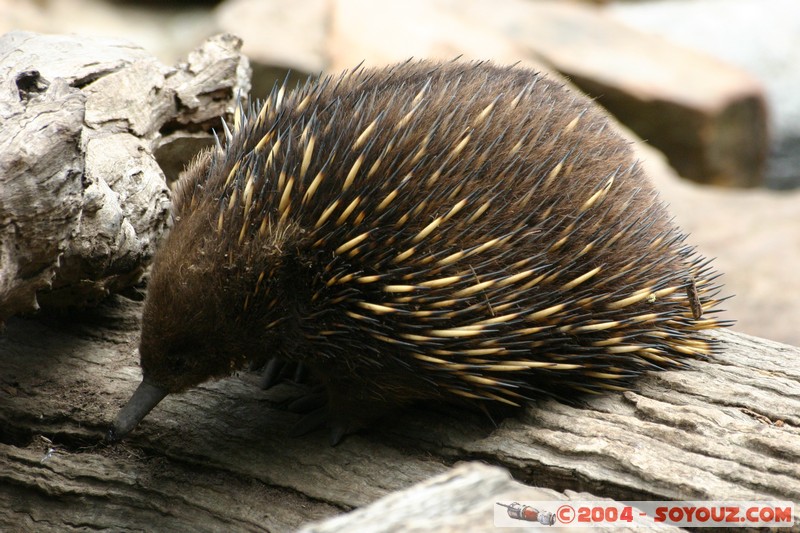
(182, 355)
(178, 363)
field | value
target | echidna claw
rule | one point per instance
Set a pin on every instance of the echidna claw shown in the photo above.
(308, 403)
(301, 374)
(271, 374)
(311, 422)
(277, 370)
(337, 434)
(318, 418)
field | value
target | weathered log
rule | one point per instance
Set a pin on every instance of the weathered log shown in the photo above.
(83, 201)
(40, 186)
(219, 457)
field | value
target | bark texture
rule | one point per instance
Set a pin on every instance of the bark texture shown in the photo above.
(83, 200)
(219, 457)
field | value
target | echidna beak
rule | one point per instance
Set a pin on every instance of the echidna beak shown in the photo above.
(142, 402)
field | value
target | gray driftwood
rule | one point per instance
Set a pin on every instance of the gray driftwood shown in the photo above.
(218, 458)
(83, 200)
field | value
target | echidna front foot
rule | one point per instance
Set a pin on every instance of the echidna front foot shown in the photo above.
(338, 409)
(319, 418)
(318, 414)
(313, 400)
(277, 370)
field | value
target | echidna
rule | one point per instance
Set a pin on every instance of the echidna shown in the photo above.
(454, 231)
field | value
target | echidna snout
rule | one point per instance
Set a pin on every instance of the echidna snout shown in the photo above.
(447, 231)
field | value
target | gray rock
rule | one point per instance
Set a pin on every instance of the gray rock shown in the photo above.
(760, 36)
(708, 117)
(276, 33)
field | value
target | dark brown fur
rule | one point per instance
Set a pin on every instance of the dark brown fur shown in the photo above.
(249, 273)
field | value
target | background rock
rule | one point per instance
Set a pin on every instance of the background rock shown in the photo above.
(708, 117)
(760, 36)
(396, 30)
(279, 36)
(168, 30)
